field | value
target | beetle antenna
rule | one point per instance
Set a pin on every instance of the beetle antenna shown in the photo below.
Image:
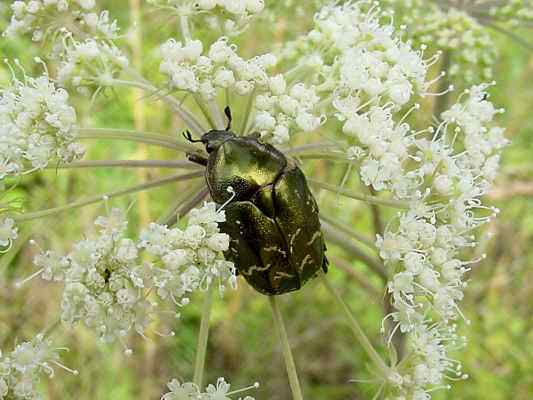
(187, 135)
(227, 111)
(233, 194)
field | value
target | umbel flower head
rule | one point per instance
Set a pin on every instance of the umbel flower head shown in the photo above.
(37, 126)
(374, 79)
(108, 286)
(279, 106)
(46, 19)
(89, 65)
(360, 73)
(470, 51)
(228, 17)
(22, 368)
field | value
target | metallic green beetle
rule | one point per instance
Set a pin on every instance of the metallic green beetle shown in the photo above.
(271, 216)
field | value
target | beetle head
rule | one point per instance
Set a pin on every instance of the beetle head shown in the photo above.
(214, 138)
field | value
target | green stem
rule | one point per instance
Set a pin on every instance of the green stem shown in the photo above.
(356, 329)
(6, 259)
(348, 231)
(182, 112)
(306, 147)
(286, 348)
(214, 109)
(134, 136)
(185, 30)
(334, 235)
(99, 198)
(128, 164)
(48, 332)
(359, 196)
(201, 348)
(325, 156)
(182, 207)
(248, 113)
(205, 111)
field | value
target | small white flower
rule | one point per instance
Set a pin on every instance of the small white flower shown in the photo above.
(220, 391)
(8, 232)
(22, 368)
(181, 391)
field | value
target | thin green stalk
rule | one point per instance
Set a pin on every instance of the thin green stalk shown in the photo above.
(187, 117)
(214, 109)
(205, 111)
(201, 348)
(360, 278)
(306, 147)
(286, 348)
(356, 329)
(182, 207)
(7, 258)
(182, 164)
(359, 196)
(134, 136)
(50, 330)
(346, 243)
(325, 155)
(248, 113)
(185, 30)
(96, 199)
(350, 232)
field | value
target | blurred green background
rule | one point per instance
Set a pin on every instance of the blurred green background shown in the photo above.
(243, 346)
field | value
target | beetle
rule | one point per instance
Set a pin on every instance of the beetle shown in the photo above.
(272, 220)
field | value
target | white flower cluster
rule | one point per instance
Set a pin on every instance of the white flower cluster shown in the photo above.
(470, 48)
(8, 232)
(36, 126)
(221, 68)
(426, 244)
(370, 74)
(44, 19)
(278, 107)
(358, 56)
(190, 391)
(22, 368)
(90, 64)
(192, 258)
(230, 17)
(282, 108)
(513, 12)
(105, 283)
(107, 286)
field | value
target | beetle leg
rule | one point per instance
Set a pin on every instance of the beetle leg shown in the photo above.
(187, 135)
(197, 158)
(227, 111)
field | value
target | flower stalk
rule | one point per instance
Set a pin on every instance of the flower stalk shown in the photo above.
(201, 347)
(173, 164)
(286, 348)
(96, 199)
(357, 330)
(359, 196)
(134, 136)
(183, 113)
